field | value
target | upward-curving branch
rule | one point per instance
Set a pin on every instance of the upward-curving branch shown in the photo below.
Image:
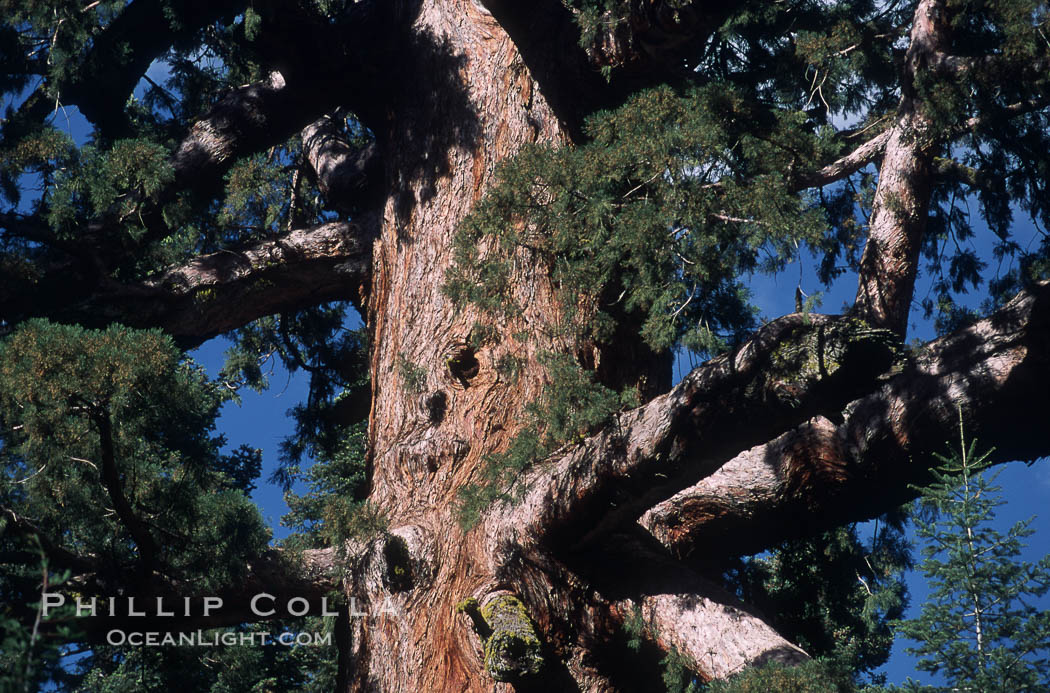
(805, 426)
(889, 264)
(850, 466)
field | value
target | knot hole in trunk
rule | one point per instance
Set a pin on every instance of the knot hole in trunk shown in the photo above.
(463, 364)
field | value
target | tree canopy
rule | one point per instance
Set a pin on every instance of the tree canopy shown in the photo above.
(533, 208)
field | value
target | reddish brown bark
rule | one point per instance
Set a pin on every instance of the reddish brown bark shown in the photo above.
(898, 217)
(469, 103)
(216, 293)
(478, 103)
(789, 433)
(467, 100)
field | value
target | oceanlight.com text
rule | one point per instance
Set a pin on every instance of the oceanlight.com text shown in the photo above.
(201, 638)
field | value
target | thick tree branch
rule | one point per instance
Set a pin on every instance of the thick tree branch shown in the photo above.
(718, 633)
(216, 293)
(873, 150)
(829, 370)
(951, 170)
(867, 153)
(246, 120)
(316, 66)
(851, 466)
(633, 585)
(989, 119)
(110, 477)
(683, 611)
(310, 79)
(789, 371)
(122, 52)
(347, 176)
(13, 523)
(644, 49)
(898, 217)
(119, 56)
(303, 46)
(206, 296)
(847, 463)
(998, 65)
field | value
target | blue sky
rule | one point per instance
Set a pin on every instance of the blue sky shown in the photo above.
(1025, 488)
(261, 419)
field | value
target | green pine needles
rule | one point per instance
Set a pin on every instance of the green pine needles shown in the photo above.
(80, 407)
(326, 453)
(981, 628)
(836, 594)
(653, 220)
(60, 387)
(236, 668)
(571, 407)
(333, 509)
(27, 658)
(651, 223)
(816, 676)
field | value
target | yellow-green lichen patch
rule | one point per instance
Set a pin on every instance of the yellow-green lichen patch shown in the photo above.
(468, 606)
(471, 608)
(205, 295)
(513, 651)
(844, 348)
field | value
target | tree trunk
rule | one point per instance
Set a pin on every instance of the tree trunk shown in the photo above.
(902, 199)
(466, 102)
(815, 420)
(538, 594)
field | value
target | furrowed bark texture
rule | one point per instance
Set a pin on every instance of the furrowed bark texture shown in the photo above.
(867, 418)
(794, 368)
(440, 407)
(815, 420)
(647, 48)
(902, 198)
(217, 293)
(439, 404)
(842, 468)
(677, 608)
(465, 102)
(347, 176)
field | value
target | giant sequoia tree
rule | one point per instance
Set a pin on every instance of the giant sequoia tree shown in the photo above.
(533, 206)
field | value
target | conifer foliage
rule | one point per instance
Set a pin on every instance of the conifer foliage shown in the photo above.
(982, 628)
(484, 230)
